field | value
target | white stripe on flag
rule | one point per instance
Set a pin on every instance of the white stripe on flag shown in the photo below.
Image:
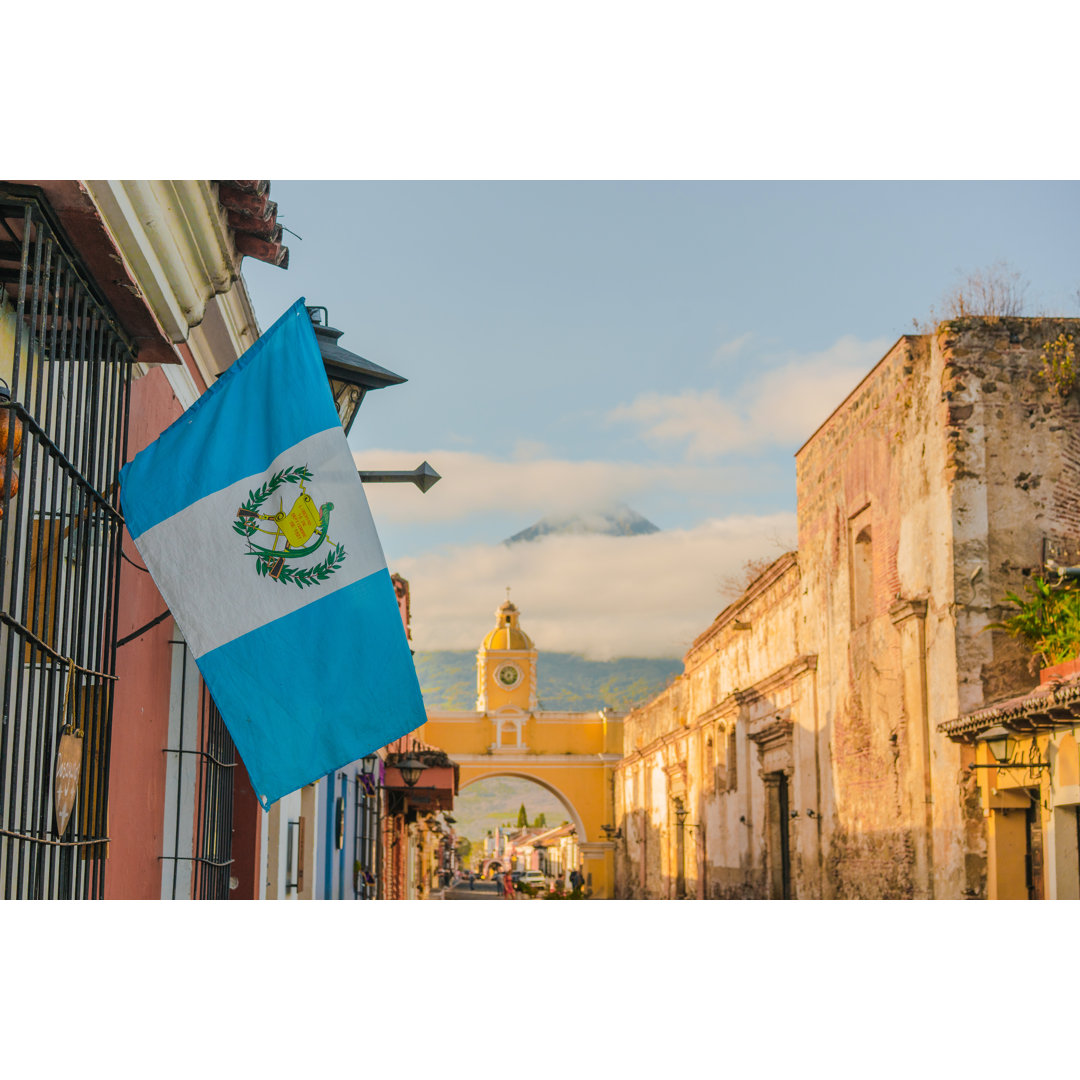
(206, 574)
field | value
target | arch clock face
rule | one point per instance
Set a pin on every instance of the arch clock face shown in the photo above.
(508, 675)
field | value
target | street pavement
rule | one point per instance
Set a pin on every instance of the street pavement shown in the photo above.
(481, 890)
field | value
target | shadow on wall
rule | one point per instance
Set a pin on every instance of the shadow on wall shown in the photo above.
(858, 865)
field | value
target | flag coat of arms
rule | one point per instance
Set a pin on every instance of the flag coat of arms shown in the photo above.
(252, 520)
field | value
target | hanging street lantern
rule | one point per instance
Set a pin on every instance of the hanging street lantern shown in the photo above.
(350, 375)
(998, 741)
(410, 770)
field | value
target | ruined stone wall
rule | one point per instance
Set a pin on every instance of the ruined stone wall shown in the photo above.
(1012, 460)
(876, 541)
(924, 498)
(699, 745)
(1014, 464)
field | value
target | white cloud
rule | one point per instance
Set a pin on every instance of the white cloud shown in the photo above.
(598, 595)
(476, 484)
(782, 406)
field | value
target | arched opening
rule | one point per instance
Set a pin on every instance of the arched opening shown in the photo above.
(862, 577)
(568, 807)
(524, 824)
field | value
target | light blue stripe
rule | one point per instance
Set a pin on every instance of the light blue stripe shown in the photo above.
(272, 685)
(272, 397)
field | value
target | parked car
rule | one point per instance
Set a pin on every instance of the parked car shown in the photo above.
(535, 878)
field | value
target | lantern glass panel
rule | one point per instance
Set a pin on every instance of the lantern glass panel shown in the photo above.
(999, 748)
(347, 399)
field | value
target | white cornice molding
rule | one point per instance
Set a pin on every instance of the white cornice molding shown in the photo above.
(175, 243)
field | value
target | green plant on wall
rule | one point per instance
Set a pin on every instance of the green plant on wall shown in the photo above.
(1059, 363)
(1047, 621)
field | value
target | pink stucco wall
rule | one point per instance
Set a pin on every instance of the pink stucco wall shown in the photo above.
(141, 701)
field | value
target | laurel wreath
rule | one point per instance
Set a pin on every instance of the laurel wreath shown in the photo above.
(256, 498)
(309, 575)
(301, 577)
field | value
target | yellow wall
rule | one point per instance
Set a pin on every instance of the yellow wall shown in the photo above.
(586, 792)
(572, 754)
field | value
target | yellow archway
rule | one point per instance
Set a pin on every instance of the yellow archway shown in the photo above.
(572, 754)
(520, 774)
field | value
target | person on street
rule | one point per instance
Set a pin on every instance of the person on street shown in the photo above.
(472, 880)
(508, 886)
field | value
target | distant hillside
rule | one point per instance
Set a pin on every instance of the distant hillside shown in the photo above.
(496, 801)
(618, 520)
(564, 680)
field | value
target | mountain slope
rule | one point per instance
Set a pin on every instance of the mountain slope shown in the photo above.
(564, 680)
(618, 520)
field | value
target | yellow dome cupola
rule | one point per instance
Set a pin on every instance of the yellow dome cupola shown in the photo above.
(506, 664)
(507, 633)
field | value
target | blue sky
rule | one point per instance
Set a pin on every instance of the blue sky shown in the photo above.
(667, 344)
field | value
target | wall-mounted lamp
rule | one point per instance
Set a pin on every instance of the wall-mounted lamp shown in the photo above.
(611, 832)
(350, 375)
(410, 770)
(1003, 746)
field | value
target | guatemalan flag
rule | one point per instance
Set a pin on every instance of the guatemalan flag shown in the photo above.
(249, 514)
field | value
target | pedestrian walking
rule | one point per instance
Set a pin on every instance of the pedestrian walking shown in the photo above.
(472, 881)
(508, 886)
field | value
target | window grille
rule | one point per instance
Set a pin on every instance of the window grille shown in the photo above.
(201, 764)
(365, 850)
(65, 367)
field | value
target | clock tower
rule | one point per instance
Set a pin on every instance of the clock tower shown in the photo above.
(506, 665)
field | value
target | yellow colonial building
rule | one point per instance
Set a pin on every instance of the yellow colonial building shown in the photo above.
(571, 754)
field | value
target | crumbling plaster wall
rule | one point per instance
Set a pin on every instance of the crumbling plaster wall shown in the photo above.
(692, 742)
(872, 485)
(958, 457)
(1012, 460)
(922, 500)
(1013, 457)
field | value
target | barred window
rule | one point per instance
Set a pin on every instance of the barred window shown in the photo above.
(65, 369)
(200, 765)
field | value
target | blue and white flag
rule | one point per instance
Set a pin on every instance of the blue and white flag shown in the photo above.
(249, 514)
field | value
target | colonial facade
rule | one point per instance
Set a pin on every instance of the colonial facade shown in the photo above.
(120, 302)
(822, 741)
(571, 754)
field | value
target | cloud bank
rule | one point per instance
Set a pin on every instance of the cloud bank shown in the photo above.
(601, 596)
(782, 406)
(528, 488)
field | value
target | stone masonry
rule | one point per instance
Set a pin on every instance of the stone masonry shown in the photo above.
(799, 753)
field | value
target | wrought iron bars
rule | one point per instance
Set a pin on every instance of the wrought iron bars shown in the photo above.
(67, 366)
(365, 844)
(201, 765)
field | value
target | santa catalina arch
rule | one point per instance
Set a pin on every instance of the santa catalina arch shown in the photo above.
(572, 754)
